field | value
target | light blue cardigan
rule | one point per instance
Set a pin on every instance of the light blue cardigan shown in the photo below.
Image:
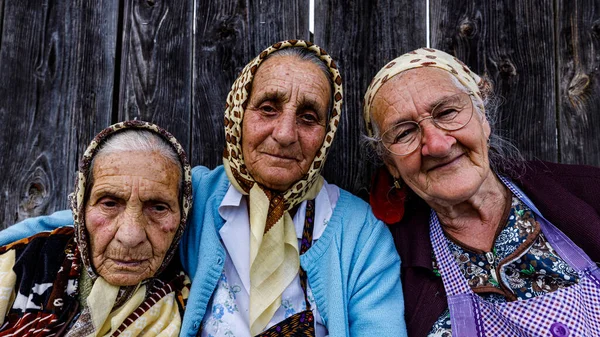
(353, 269)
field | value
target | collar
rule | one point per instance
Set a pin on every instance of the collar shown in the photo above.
(235, 232)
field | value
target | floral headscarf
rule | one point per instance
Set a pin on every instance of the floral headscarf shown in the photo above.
(78, 202)
(274, 260)
(423, 57)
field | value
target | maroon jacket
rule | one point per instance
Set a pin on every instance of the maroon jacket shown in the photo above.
(567, 195)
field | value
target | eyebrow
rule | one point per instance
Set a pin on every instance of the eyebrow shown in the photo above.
(439, 101)
(430, 107)
(271, 95)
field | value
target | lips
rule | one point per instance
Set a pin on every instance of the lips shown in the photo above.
(445, 162)
(281, 156)
(128, 263)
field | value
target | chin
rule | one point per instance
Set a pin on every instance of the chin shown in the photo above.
(279, 179)
(123, 280)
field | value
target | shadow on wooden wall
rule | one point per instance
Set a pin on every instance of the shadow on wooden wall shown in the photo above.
(70, 68)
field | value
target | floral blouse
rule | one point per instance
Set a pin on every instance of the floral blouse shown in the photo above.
(522, 265)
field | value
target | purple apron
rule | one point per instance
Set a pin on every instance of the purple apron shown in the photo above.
(571, 311)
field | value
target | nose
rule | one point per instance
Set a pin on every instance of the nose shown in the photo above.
(285, 131)
(434, 141)
(131, 231)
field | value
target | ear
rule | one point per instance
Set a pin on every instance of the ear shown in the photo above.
(487, 130)
(391, 167)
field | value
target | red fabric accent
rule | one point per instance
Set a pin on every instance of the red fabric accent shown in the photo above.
(386, 201)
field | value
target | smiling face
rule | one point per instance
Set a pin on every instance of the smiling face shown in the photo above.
(132, 214)
(449, 166)
(284, 122)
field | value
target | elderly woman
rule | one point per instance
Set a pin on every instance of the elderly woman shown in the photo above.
(490, 246)
(284, 253)
(112, 273)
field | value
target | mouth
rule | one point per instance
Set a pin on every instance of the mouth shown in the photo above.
(281, 156)
(128, 263)
(446, 163)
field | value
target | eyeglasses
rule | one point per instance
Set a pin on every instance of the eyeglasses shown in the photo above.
(452, 114)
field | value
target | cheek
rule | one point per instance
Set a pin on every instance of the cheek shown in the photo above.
(101, 230)
(161, 236)
(311, 143)
(253, 131)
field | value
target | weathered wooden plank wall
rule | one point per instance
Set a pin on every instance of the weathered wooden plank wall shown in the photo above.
(228, 35)
(56, 80)
(362, 36)
(578, 34)
(68, 69)
(512, 43)
(156, 65)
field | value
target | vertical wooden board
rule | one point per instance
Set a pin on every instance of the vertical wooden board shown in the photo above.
(511, 42)
(579, 81)
(271, 21)
(1, 19)
(362, 36)
(228, 35)
(156, 74)
(57, 65)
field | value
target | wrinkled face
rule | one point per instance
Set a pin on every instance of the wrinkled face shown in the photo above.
(132, 215)
(449, 166)
(284, 122)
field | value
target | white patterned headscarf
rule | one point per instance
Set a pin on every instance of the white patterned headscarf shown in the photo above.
(274, 259)
(77, 198)
(423, 57)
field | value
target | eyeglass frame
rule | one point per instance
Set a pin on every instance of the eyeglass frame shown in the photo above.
(418, 123)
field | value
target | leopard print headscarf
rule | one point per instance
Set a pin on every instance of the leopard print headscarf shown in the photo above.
(274, 260)
(423, 57)
(77, 198)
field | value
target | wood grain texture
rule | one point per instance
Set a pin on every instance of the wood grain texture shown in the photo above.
(362, 36)
(511, 42)
(579, 81)
(57, 65)
(155, 73)
(228, 35)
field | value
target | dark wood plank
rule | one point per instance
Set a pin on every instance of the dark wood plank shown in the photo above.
(274, 20)
(228, 35)
(156, 74)
(57, 65)
(579, 81)
(362, 36)
(512, 42)
(1, 19)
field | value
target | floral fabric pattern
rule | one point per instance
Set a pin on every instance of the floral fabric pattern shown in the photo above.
(522, 265)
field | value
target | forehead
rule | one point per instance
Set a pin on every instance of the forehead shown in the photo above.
(413, 90)
(150, 166)
(279, 72)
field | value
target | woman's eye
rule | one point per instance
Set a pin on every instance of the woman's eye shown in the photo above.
(108, 203)
(446, 114)
(159, 208)
(404, 136)
(267, 108)
(309, 118)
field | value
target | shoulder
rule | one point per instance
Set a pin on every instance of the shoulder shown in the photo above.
(352, 209)
(353, 224)
(209, 184)
(56, 238)
(204, 175)
(560, 171)
(556, 180)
